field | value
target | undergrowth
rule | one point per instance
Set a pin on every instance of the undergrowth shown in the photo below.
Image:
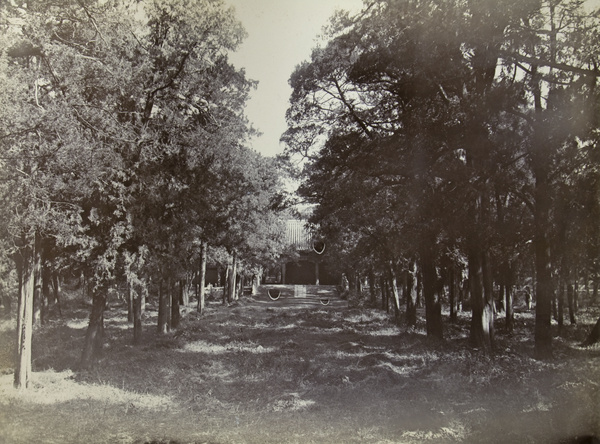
(261, 373)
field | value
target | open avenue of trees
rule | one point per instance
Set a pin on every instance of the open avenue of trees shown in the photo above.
(451, 147)
(124, 156)
(450, 150)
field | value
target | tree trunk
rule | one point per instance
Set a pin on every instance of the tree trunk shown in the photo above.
(56, 290)
(594, 335)
(452, 294)
(226, 284)
(433, 307)
(560, 296)
(543, 290)
(24, 318)
(382, 285)
(394, 285)
(46, 298)
(129, 303)
(164, 308)
(508, 298)
(571, 303)
(540, 160)
(372, 290)
(411, 295)
(482, 318)
(95, 333)
(137, 315)
(38, 296)
(202, 278)
(231, 295)
(176, 296)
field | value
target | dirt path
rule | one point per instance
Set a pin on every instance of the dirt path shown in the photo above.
(295, 371)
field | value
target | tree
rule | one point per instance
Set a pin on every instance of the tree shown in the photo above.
(103, 96)
(461, 114)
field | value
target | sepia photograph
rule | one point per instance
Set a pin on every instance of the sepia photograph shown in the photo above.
(299, 221)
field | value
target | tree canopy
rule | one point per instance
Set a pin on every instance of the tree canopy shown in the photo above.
(449, 129)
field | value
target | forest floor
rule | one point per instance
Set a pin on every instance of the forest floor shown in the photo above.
(298, 371)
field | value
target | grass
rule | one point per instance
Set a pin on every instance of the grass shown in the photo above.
(270, 372)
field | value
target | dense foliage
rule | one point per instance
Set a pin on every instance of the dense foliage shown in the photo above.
(124, 151)
(453, 145)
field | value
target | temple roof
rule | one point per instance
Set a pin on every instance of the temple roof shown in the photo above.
(297, 234)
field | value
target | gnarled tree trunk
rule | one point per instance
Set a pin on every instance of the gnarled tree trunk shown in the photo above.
(24, 262)
(94, 336)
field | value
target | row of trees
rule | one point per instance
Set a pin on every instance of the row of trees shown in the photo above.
(124, 153)
(451, 136)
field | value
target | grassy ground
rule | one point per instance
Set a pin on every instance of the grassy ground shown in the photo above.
(279, 372)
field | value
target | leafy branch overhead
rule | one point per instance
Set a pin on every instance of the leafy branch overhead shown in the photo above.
(124, 136)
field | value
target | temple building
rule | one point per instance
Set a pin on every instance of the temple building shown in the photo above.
(307, 263)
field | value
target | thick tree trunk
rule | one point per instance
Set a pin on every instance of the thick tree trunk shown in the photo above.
(231, 296)
(38, 296)
(56, 290)
(46, 298)
(411, 295)
(509, 307)
(482, 318)
(144, 295)
(24, 264)
(164, 307)
(202, 278)
(594, 335)
(452, 294)
(508, 297)
(543, 290)
(137, 315)
(395, 294)
(372, 291)
(176, 296)
(433, 307)
(560, 297)
(382, 285)
(129, 303)
(571, 303)
(94, 337)
(226, 284)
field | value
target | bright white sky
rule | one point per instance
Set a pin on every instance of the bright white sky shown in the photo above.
(281, 34)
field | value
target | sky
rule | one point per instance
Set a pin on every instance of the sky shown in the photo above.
(281, 35)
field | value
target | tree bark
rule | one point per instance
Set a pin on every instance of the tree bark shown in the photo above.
(202, 278)
(164, 308)
(56, 290)
(571, 303)
(543, 290)
(94, 337)
(226, 284)
(372, 291)
(411, 295)
(137, 315)
(46, 298)
(482, 318)
(560, 296)
(175, 301)
(452, 293)
(129, 303)
(394, 285)
(433, 307)
(231, 294)
(24, 264)
(38, 296)
(594, 335)
(508, 298)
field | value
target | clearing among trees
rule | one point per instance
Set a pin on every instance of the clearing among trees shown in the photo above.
(263, 371)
